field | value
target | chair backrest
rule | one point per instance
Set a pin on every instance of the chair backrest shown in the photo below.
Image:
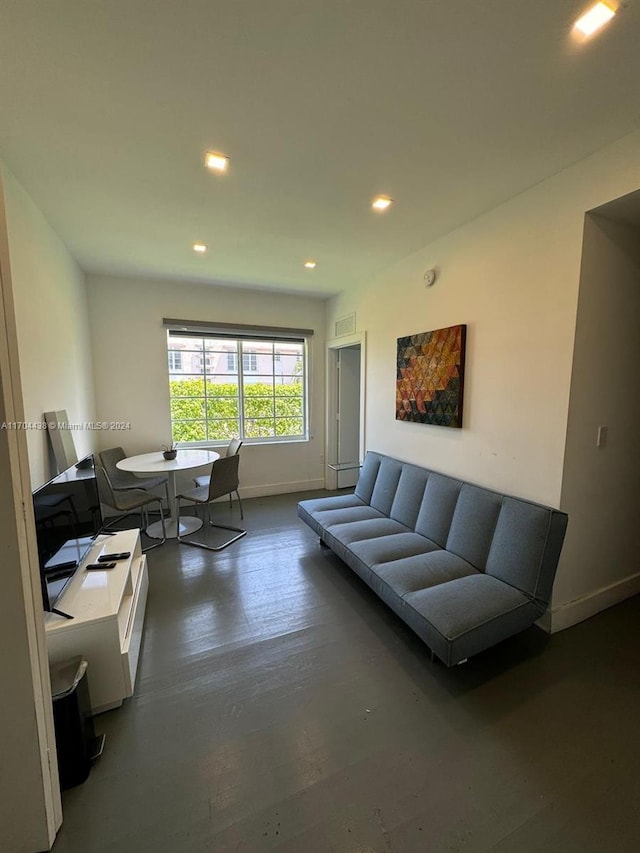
(108, 459)
(105, 489)
(224, 476)
(234, 446)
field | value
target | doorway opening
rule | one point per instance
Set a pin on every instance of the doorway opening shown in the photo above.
(345, 410)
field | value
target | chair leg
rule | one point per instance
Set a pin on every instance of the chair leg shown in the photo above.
(164, 530)
(239, 504)
(237, 530)
(144, 522)
(240, 533)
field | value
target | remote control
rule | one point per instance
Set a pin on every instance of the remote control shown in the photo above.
(107, 558)
(98, 567)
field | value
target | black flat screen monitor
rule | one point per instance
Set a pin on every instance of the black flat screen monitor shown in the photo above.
(68, 518)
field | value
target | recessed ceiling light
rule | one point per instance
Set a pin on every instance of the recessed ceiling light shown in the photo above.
(310, 265)
(596, 17)
(199, 247)
(216, 162)
(381, 202)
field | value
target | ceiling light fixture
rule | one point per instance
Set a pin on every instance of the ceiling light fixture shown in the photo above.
(310, 265)
(381, 202)
(199, 247)
(216, 162)
(596, 17)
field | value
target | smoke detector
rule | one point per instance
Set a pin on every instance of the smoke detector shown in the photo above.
(429, 278)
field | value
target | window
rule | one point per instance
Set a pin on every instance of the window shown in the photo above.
(175, 361)
(249, 361)
(263, 400)
(201, 362)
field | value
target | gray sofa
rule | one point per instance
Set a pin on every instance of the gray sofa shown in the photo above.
(463, 566)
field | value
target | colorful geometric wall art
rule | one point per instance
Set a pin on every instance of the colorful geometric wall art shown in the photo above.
(430, 377)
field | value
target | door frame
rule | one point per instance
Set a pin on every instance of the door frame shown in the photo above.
(36, 821)
(331, 432)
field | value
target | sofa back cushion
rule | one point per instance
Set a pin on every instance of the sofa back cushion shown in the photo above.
(386, 484)
(437, 508)
(526, 547)
(367, 478)
(409, 494)
(473, 524)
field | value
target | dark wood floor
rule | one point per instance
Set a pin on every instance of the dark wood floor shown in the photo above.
(281, 707)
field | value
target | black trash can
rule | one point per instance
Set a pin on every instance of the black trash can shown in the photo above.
(76, 741)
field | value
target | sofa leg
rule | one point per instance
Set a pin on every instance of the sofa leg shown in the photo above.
(323, 544)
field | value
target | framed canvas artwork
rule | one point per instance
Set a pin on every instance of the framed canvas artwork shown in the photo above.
(430, 374)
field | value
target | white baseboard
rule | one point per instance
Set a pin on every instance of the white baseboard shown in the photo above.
(280, 488)
(580, 609)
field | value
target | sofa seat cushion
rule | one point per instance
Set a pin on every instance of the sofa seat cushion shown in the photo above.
(328, 518)
(395, 579)
(392, 547)
(423, 571)
(369, 528)
(316, 512)
(331, 502)
(468, 614)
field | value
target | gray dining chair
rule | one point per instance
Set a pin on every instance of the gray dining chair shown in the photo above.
(127, 502)
(223, 481)
(233, 449)
(122, 481)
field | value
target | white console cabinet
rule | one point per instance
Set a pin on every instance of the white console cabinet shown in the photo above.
(108, 614)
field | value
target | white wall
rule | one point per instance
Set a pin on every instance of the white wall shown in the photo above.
(601, 486)
(132, 384)
(52, 321)
(512, 275)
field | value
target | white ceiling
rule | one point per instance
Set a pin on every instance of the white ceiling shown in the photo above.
(448, 106)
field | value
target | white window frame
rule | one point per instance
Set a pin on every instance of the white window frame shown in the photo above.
(247, 362)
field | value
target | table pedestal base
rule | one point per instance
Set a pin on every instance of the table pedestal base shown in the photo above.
(188, 524)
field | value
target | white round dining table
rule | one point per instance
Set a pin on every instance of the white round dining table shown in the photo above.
(155, 463)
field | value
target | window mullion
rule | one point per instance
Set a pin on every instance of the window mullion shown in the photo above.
(273, 390)
(240, 359)
(204, 391)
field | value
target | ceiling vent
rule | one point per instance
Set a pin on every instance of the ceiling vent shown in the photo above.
(345, 325)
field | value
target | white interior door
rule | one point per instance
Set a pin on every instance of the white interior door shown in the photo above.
(348, 413)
